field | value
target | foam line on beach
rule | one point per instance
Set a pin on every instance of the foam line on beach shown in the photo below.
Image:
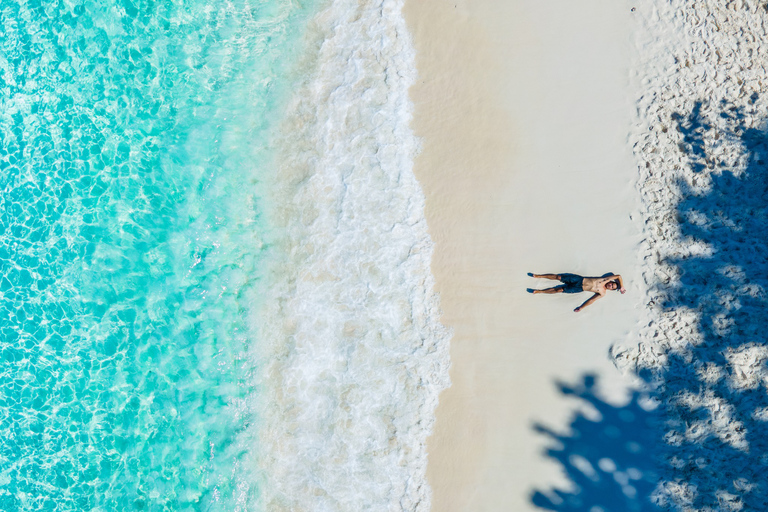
(352, 353)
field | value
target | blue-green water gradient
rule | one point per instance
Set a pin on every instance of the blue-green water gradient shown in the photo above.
(132, 139)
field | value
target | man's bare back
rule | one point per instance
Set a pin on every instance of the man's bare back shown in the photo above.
(573, 283)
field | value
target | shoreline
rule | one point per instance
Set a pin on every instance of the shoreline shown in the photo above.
(352, 354)
(510, 97)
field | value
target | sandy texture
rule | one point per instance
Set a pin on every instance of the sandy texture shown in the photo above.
(524, 109)
(701, 145)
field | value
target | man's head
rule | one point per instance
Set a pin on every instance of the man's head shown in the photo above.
(612, 285)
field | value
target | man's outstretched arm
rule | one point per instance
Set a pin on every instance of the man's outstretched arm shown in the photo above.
(588, 302)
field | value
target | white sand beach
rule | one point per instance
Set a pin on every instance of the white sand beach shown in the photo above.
(590, 138)
(524, 109)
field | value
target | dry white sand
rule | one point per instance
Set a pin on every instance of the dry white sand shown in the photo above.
(525, 110)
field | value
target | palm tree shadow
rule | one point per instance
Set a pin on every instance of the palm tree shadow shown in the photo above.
(706, 446)
(607, 455)
(714, 383)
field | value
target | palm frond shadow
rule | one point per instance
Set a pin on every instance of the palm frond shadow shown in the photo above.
(706, 445)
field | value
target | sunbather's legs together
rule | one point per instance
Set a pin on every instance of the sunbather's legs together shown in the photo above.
(554, 289)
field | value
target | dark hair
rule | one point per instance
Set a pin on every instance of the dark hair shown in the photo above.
(618, 285)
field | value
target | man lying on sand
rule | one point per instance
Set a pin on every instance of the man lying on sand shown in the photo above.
(576, 284)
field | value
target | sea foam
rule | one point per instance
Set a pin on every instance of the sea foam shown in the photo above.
(351, 353)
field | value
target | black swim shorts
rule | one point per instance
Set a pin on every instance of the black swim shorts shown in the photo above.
(572, 283)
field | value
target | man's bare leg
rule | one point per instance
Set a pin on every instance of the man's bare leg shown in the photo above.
(554, 277)
(554, 289)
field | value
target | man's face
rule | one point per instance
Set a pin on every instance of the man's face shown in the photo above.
(611, 285)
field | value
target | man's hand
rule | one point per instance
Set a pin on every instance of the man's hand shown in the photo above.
(623, 290)
(588, 302)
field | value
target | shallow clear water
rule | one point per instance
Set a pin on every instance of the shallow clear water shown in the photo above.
(132, 145)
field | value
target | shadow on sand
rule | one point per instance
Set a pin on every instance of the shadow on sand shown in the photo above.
(706, 445)
(607, 454)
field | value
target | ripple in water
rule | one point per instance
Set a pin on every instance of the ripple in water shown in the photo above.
(130, 247)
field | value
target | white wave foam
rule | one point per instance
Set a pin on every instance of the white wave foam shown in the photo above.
(352, 353)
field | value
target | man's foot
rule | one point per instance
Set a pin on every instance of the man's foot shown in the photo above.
(531, 274)
(531, 290)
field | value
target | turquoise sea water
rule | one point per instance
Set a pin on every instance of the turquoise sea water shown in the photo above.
(133, 140)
